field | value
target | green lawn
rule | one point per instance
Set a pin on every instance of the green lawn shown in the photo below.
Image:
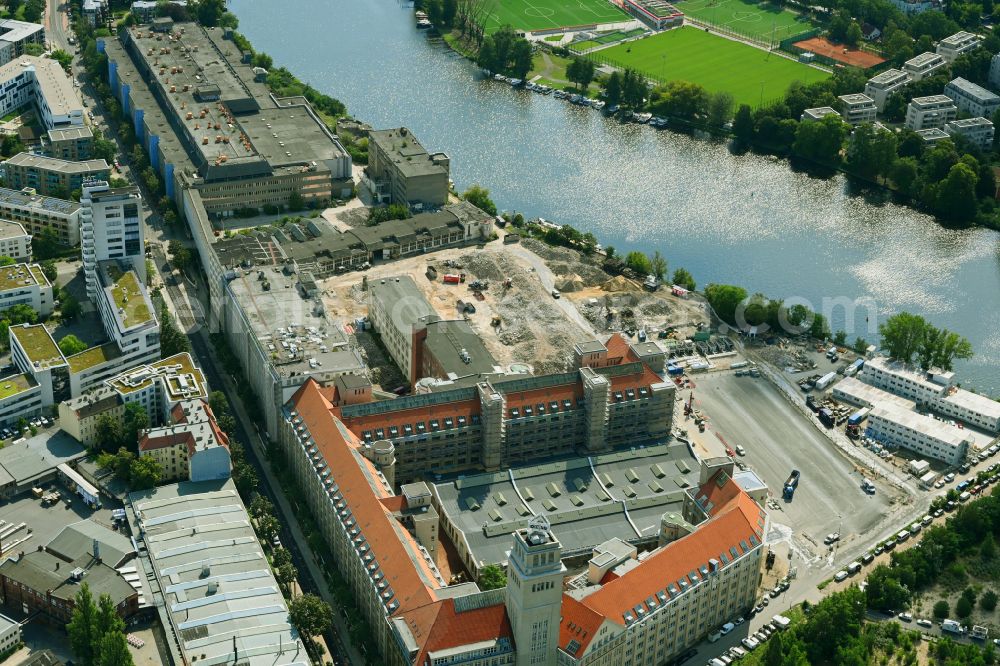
(716, 63)
(548, 14)
(757, 20)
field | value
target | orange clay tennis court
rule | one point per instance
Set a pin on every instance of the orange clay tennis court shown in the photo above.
(840, 53)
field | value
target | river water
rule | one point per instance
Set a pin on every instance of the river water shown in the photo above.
(741, 219)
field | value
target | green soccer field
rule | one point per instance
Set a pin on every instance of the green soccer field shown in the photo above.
(532, 15)
(757, 20)
(716, 63)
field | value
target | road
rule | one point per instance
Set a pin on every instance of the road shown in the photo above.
(57, 25)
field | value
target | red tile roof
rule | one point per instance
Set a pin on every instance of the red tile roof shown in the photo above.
(733, 522)
(452, 629)
(397, 562)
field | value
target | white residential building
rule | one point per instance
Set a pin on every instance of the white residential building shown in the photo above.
(858, 108)
(924, 65)
(924, 435)
(35, 353)
(15, 35)
(43, 83)
(25, 284)
(37, 213)
(979, 131)
(95, 11)
(971, 98)
(20, 396)
(110, 228)
(935, 390)
(915, 6)
(950, 48)
(818, 113)
(933, 111)
(881, 86)
(932, 135)
(10, 634)
(15, 242)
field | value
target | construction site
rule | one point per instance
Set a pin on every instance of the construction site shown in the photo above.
(528, 303)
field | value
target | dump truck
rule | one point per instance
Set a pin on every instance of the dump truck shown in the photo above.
(791, 484)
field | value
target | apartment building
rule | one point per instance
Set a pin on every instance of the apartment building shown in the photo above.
(857, 108)
(110, 229)
(882, 85)
(978, 131)
(25, 284)
(971, 98)
(817, 113)
(70, 143)
(43, 83)
(15, 242)
(157, 387)
(15, 35)
(144, 11)
(37, 213)
(922, 434)
(51, 176)
(191, 447)
(401, 171)
(932, 135)
(397, 309)
(915, 6)
(10, 634)
(924, 65)
(934, 390)
(20, 396)
(950, 48)
(931, 112)
(35, 353)
(95, 12)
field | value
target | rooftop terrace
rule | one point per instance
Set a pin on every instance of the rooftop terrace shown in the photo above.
(128, 295)
(90, 358)
(38, 345)
(11, 386)
(21, 275)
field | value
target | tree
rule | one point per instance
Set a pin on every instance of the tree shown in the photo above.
(479, 197)
(295, 201)
(581, 72)
(680, 99)
(684, 279)
(902, 334)
(743, 124)
(268, 527)
(45, 244)
(884, 589)
(144, 472)
(285, 573)
(135, 420)
(941, 609)
(70, 345)
(658, 265)
(840, 338)
(281, 556)
(7, 261)
(613, 89)
(963, 608)
(492, 577)
(209, 12)
(523, 58)
(49, 270)
(11, 145)
(720, 108)
(774, 655)
(634, 89)
(956, 195)
(114, 651)
(639, 263)
(220, 405)
(871, 153)
(821, 140)
(854, 34)
(449, 8)
(860, 345)
(108, 433)
(172, 340)
(989, 601)
(82, 628)
(724, 299)
(70, 308)
(903, 173)
(310, 614)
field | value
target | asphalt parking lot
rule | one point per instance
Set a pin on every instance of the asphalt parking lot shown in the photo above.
(778, 438)
(46, 522)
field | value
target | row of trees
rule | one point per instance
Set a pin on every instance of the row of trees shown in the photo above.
(734, 306)
(908, 336)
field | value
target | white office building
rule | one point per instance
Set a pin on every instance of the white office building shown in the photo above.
(817, 113)
(881, 86)
(971, 98)
(924, 65)
(10, 634)
(979, 131)
(43, 83)
(858, 108)
(110, 228)
(25, 284)
(924, 435)
(931, 112)
(950, 48)
(15, 242)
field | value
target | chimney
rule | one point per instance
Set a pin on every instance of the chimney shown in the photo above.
(97, 550)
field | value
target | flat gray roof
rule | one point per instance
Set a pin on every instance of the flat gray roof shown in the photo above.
(585, 511)
(52, 80)
(47, 205)
(452, 342)
(406, 152)
(9, 229)
(888, 76)
(39, 455)
(969, 123)
(216, 583)
(56, 164)
(973, 90)
(70, 133)
(43, 572)
(401, 298)
(924, 58)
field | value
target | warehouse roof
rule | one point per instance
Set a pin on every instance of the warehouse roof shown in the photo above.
(39, 455)
(218, 588)
(78, 538)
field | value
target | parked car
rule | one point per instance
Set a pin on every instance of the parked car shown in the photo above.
(840, 576)
(726, 628)
(749, 643)
(905, 617)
